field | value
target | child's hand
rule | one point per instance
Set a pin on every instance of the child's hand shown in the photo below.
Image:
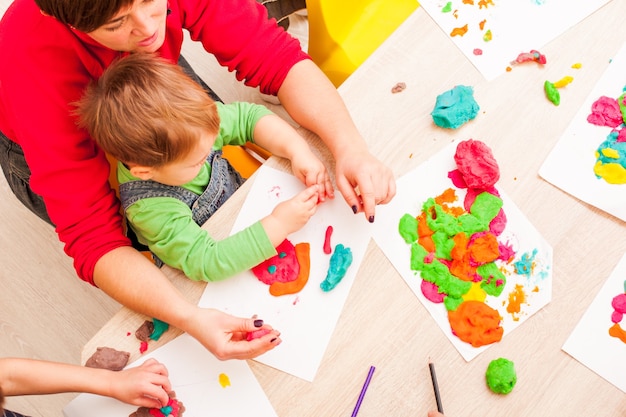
(146, 385)
(291, 215)
(310, 170)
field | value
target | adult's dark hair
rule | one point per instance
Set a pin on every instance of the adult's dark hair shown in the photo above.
(84, 15)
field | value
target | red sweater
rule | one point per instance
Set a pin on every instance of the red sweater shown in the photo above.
(45, 67)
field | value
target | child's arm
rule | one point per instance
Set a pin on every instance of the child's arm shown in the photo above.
(146, 385)
(278, 137)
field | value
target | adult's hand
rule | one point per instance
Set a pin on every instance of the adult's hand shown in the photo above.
(226, 335)
(313, 101)
(132, 280)
(364, 182)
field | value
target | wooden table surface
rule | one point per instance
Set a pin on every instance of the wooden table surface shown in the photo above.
(383, 323)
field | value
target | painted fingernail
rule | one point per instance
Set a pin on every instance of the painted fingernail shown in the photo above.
(273, 340)
(354, 209)
(258, 323)
(371, 219)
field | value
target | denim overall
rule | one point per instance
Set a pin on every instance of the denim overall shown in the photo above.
(223, 183)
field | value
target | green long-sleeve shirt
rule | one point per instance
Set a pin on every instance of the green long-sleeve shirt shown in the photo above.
(167, 227)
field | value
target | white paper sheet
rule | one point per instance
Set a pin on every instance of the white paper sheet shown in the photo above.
(194, 373)
(307, 319)
(517, 26)
(569, 165)
(430, 180)
(590, 342)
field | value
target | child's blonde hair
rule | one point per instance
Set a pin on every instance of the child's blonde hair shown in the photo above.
(146, 111)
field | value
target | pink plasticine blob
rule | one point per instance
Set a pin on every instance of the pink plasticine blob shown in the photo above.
(431, 292)
(605, 111)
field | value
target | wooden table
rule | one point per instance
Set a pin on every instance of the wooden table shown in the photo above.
(383, 323)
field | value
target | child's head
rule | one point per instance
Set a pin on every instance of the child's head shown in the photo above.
(147, 113)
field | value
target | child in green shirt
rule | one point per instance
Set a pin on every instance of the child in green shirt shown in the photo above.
(167, 135)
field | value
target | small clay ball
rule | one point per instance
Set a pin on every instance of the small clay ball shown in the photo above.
(501, 376)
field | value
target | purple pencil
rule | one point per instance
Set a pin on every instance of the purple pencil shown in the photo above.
(363, 390)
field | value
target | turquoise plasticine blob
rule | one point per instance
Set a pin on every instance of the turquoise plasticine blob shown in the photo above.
(340, 260)
(160, 327)
(455, 107)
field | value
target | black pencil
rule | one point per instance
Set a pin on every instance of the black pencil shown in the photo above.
(433, 376)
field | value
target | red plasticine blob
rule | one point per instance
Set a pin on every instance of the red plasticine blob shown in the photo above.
(327, 247)
(282, 267)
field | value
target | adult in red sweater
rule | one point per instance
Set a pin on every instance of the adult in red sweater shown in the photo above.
(52, 49)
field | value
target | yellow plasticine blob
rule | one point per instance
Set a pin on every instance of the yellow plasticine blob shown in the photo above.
(475, 293)
(224, 380)
(563, 81)
(610, 153)
(577, 65)
(612, 173)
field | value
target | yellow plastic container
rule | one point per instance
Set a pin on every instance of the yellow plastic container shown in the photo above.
(343, 33)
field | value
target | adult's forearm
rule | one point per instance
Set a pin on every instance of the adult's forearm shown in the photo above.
(314, 103)
(135, 282)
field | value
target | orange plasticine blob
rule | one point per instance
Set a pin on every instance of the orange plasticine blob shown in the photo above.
(304, 259)
(476, 323)
(484, 249)
(459, 31)
(516, 299)
(616, 331)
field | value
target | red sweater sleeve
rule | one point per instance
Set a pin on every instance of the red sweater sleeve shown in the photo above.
(243, 39)
(45, 68)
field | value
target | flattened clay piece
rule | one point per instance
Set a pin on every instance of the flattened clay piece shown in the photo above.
(108, 358)
(144, 331)
(282, 267)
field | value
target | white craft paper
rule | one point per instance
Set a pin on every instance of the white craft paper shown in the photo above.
(430, 180)
(590, 342)
(194, 374)
(517, 26)
(307, 319)
(569, 165)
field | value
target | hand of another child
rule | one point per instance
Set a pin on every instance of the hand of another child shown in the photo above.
(146, 385)
(310, 170)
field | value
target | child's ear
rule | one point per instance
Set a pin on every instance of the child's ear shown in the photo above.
(144, 173)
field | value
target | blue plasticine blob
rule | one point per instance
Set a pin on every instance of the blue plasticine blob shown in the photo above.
(339, 263)
(455, 107)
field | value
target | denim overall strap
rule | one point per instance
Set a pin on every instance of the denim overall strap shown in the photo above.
(225, 180)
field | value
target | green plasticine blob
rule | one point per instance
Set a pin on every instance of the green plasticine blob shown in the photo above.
(552, 93)
(493, 280)
(501, 376)
(408, 228)
(486, 207)
(452, 303)
(447, 8)
(418, 253)
(622, 106)
(443, 245)
(340, 260)
(437, 273)
(160, 327)
(438, 220)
